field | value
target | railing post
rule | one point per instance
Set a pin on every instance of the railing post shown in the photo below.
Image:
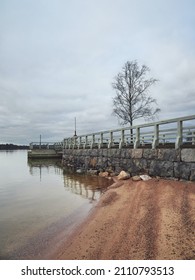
(86, 140)
(93, 141)
(110, 140)
(193, 137)
(68, 143)
(74, 142)
(156, 136)
(137, 140)
(179, 139)
(101, 141)
(122, 138)
(79, 142)
(82, 143)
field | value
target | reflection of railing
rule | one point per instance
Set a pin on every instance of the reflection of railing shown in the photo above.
(86, 186)
(46, 145)
(172, 133)
(36, 166)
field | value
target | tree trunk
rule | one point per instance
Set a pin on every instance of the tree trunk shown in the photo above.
(131, 132)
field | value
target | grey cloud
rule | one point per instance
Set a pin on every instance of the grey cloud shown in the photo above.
(58, 59)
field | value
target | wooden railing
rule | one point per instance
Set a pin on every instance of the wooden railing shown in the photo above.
(168, 133)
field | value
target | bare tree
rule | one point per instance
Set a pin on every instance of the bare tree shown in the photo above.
(132, 100)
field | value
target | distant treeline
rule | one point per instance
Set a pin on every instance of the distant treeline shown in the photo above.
(13, 147)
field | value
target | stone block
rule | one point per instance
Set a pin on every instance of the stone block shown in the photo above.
(123, 164)
(74, 152)
(161, 168)
(169, 154)
(142, 164)
(100, 152)
(123, 153)
(129, 153)
(182, 170)
(134, 167)
(118, 169)
(78, 152)
(150, 153)
(192, 173)
(111, 152)
(99, 160)
(188, 155)
(94, 152)
(85, 152)
(118, 153)
(137, 153)
(104, 152)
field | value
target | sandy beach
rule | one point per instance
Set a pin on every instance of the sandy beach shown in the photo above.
(152, 219)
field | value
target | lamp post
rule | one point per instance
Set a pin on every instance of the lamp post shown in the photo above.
(75, 131)
(40, 142)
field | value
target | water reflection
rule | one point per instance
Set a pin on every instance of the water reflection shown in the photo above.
(86, 186)
(36, 166)
(40, 204)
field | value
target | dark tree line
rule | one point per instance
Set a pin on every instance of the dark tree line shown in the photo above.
(13, 147)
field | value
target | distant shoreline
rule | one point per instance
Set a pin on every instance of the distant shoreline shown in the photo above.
(13, 147)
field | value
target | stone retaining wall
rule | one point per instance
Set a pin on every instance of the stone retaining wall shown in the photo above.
(178, 163)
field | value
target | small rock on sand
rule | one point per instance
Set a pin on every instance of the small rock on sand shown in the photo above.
(123, 175)
(145, 177)
(136, 178)
(104, 174)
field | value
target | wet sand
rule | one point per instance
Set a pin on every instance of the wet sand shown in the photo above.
(137, 220)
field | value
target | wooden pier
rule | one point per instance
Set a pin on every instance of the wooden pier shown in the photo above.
(45, 150)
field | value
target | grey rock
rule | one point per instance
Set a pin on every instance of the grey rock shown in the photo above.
(136, 178)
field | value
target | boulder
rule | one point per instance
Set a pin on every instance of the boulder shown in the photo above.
(92, 171)
(123, 175)
(104, 174)
(145, 177)
(79, 171)
(136, 178)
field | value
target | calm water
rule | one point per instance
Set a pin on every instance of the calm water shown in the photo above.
(40, 204)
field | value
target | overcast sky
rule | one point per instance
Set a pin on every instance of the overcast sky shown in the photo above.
(58, 59)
